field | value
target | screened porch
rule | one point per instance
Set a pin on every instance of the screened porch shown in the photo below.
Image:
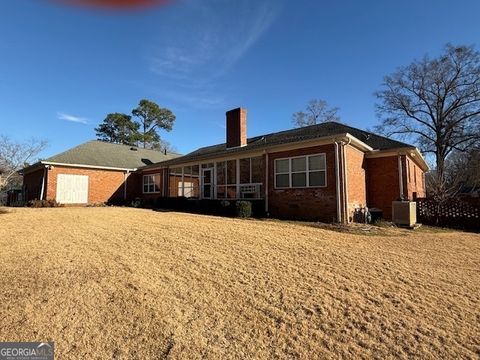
(223, 179)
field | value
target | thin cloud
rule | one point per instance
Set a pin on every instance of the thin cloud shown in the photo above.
(72, 118)
(217, 41)
(195, 58)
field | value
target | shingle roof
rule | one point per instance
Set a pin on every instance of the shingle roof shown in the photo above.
(325, 129)
(103, 154)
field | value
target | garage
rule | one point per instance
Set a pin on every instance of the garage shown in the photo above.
(72, 189)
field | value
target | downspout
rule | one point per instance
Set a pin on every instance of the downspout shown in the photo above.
(266, 182)
(166, 179)
(125, 179)
(345, 180)
(400, 175)
(337, 180)
(45, 169)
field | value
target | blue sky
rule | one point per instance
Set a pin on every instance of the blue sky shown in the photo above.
(62, 69)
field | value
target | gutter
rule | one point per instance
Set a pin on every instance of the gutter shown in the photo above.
(88, 166)
(413, 152)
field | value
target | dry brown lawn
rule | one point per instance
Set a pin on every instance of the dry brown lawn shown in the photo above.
(137, 284)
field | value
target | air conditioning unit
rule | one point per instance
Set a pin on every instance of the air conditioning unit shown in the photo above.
(404, 213)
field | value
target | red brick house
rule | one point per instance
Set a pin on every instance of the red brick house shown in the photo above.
(321, 172)
(92, 172)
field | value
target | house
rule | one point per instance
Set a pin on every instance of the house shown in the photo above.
(324, 172)
(321, 172)
(93, 172)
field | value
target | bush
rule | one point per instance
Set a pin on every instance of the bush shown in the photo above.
(43, 204)
(117, 202)
(138, 203)
(97, 204)
(243, 209)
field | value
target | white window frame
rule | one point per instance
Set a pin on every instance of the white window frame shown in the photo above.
(147, 176)
(185, 187)
(307, 172)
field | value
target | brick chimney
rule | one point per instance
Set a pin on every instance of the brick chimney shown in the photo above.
(236, 127)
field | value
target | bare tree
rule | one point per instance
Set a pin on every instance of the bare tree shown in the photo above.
(162, 145)
(437, 103)
(317, 111)
(463, 170)
(16, 155)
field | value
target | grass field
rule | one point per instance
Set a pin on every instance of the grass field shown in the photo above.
(137, 284)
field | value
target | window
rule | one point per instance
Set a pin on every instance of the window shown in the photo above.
(186, 188)
(257, 166)
(301, 172)
(151, 183)
(184, 181)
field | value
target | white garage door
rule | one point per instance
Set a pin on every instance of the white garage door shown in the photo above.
(72, 189)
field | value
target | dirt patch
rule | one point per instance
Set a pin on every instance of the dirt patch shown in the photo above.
(138, 284)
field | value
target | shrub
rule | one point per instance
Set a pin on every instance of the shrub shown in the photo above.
(138, 203)
(243, 209)
(43, 204)
(117, 202)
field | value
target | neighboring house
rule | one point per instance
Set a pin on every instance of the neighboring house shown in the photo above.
(321, 172)
(93, 172)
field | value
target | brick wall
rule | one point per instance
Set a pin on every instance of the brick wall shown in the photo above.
(356, 180)
(103, 185)
(414, 179)
(382, 183)
(32, 183)
(310, 203)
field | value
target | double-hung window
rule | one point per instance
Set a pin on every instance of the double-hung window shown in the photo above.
(151, 183)
(301, 172)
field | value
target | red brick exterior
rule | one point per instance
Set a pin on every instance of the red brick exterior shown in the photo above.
(414, 179)
(32, 184)
(372, 182)
(356, 180)
(383, 185)
(236, 127)
(308, 203)
(103, 185)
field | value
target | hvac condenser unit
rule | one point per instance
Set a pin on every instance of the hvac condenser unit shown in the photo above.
(404, 213)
